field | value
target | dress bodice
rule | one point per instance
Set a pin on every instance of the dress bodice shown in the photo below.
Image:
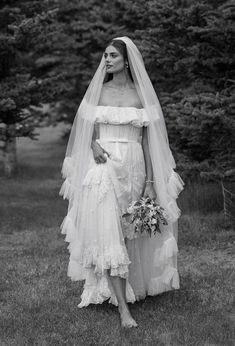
(122, 115)
(120, 123)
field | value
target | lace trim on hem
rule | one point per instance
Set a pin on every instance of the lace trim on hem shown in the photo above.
(114, 259)
(98, 293)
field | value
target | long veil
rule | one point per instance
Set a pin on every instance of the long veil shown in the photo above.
(167, 182)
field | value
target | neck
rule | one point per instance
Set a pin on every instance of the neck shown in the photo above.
(121, 79)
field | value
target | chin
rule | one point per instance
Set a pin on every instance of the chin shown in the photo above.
(111, 70)
(116, 71)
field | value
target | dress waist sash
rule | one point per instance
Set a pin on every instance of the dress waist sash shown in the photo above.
(119, 140)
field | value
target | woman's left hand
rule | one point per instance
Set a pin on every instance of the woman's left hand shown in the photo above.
(149, 191)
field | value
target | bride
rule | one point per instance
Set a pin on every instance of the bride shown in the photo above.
(118, 151)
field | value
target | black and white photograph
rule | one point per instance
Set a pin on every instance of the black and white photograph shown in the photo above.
(117, 172)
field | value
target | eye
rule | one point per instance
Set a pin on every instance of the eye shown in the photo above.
(112, 55)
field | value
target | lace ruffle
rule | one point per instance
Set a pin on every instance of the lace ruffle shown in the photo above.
(105, 177)
(67, 189)
(116, 259)
(68, 167)
(98, 290)
(174, 186)
(167, 281)
(122, 115)
(68, 228)
(166, 251)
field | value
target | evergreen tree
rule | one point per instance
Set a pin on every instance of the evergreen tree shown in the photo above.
(25, 29)
(188, 52)
(192, 66)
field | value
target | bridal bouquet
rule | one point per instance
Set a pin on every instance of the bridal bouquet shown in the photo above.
(147, 215)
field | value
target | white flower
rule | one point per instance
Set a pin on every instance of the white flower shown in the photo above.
(130, 209)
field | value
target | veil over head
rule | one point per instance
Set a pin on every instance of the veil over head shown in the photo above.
(167, 182)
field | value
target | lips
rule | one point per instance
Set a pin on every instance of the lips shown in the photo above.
(108, 66)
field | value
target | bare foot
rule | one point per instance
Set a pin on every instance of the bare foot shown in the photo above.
(127, 321)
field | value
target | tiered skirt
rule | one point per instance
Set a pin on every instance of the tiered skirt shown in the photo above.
(101, 241)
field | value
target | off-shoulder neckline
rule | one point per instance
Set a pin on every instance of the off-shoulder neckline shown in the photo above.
(122, 107)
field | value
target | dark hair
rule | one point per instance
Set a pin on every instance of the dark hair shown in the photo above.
(121, 47)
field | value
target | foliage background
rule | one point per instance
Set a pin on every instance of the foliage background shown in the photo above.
(50, 49)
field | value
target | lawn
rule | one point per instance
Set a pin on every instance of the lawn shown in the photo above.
(38, 303)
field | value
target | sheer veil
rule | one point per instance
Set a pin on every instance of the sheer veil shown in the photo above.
(168, 183)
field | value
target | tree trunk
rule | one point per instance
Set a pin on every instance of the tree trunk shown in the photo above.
(9, 152)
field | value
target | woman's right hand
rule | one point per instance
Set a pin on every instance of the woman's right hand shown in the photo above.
(100, 155)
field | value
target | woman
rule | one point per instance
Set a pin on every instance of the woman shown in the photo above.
(118, 151)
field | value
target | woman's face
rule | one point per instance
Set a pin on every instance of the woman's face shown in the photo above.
(114, 60)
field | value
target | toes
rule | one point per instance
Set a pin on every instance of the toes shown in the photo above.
(129, 324)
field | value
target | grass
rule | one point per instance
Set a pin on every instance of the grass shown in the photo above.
(38, 304)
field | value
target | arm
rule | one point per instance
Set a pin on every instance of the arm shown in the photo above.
(149, 188)
(98, 151)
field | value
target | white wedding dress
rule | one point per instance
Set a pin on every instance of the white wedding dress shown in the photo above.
(100, 238)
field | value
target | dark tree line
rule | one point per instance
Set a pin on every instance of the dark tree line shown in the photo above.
(26, 27)
(50, 50)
